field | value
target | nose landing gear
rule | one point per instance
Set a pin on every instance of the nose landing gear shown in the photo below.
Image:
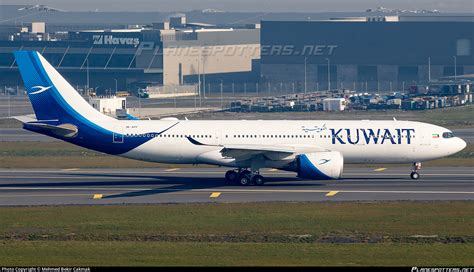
(244, 177)
(414, 173)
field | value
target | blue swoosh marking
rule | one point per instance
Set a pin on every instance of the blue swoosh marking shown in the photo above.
(309, 170)
(323, 161)
(41, 89)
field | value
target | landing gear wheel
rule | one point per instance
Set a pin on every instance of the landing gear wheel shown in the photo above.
(231, 176)
(258, 180)
(245, 173)
(414, 175)
(414, 172)
(244, 180)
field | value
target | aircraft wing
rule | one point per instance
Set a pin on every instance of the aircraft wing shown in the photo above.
(271, 152)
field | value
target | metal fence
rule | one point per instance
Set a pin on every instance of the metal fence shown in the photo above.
(172, 91)
(263, 88)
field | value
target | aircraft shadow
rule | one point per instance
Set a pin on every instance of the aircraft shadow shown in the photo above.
(171, 183)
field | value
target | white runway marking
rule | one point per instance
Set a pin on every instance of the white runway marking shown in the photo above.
(71, 169)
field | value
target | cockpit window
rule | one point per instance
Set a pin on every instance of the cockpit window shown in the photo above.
(448, 135)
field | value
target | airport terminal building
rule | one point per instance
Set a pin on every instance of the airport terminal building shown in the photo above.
(172, 53)
(382, 53)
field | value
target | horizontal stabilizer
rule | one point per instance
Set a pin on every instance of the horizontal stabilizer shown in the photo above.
(64, 130)
(25, 118)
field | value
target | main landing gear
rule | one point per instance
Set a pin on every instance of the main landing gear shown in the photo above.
(414, 173)
(244, 177)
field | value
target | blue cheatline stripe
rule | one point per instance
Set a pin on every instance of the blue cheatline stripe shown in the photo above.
(309, 170)
(90, 135)
(131, 117)
(194, 142)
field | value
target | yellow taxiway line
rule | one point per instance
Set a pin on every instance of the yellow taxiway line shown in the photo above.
(332, 193)
(98, 196)
(215, 195)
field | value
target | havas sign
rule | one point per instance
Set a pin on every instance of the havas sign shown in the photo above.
(372, 136)
(111, 40)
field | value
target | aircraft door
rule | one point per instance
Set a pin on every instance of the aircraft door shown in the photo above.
(218, 137)
(117, 136)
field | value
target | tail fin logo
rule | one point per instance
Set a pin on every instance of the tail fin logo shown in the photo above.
(323, 161)
(40, 89)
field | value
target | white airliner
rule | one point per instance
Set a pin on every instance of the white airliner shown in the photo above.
(312, 149)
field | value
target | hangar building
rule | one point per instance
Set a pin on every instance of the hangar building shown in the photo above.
(375, 53)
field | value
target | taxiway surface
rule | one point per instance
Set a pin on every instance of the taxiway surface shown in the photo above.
(184, 185)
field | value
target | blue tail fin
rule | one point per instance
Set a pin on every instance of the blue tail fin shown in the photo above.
(52, 97)
(63, 113)
(37, 86)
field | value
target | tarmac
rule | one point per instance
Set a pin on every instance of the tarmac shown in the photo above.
(30, 187)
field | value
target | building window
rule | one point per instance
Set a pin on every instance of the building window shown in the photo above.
(463, 47)
(449, 70)
(408, 73)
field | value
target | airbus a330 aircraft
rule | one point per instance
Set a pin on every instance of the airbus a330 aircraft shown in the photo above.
(312, 149)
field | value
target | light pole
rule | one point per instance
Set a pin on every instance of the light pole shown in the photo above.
(329, 74)
(429, 69)
(139, 106)
(455, 68)
(9, 105)
(204, 78)
(305, 82)
(87, 69)
(222, 94)
(115, 86)
(174, 94)
(199, 83)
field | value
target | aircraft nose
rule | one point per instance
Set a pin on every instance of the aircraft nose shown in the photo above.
(462, 144)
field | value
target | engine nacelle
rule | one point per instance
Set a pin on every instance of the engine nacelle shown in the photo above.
(320, 165)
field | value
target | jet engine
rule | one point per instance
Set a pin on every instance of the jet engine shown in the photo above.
(318, 165)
